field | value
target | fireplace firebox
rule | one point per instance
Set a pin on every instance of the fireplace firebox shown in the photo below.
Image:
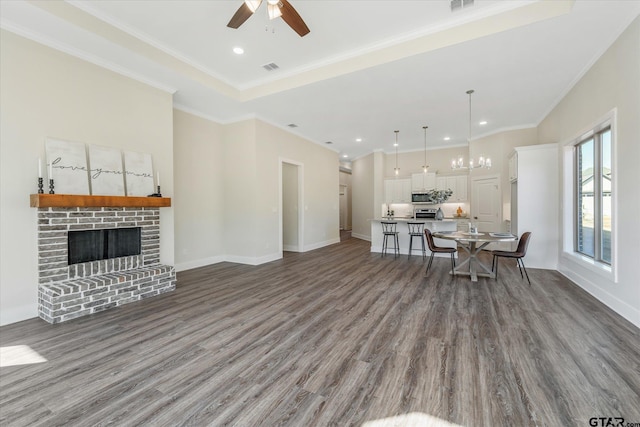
(96, 245)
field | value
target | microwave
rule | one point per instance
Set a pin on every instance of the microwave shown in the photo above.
(420, 198)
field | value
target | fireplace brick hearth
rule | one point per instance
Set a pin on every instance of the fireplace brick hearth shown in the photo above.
(69, 291)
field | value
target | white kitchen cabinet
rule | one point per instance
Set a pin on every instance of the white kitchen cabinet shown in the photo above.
(397, 190)
(457, 184)
(421, 182)
(461, 192)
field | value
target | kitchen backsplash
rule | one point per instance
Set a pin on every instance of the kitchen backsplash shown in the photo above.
(450, 209)
(406, 209)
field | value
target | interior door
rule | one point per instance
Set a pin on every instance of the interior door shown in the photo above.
(486, 205)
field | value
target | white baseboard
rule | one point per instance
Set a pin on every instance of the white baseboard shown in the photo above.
(290, 248)
(319, 245)
(199, 263)
(361, 236)
(18, 314)
(632, 314)
(253, 260)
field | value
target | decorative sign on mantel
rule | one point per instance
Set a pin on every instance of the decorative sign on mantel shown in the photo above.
(108, 172)
(138, 173)
(67, 165)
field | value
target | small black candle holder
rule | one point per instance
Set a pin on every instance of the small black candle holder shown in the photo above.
(156, 194)
(51, 187)
(40, 186)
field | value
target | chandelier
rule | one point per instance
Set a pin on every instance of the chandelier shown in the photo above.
(482, 161)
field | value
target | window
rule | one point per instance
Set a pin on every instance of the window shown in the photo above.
(593, 195)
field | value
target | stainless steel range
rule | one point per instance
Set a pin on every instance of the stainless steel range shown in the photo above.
(429, 213)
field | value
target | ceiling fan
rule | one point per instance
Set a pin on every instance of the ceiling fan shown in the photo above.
(275, 8)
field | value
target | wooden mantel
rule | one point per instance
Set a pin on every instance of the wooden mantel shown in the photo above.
(77, 200)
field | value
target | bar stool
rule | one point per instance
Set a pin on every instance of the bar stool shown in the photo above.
(416, 229)
(389, 230)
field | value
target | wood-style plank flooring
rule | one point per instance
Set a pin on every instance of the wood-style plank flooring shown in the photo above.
(333, 337)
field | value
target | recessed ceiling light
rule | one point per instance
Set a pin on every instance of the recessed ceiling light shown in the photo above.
(358, 139)
(345, 155)
(395, 144)
(482, 123)
(329, 142)
(238, 50)
(447, 138)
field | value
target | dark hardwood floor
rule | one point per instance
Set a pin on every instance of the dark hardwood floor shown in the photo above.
(333, 337)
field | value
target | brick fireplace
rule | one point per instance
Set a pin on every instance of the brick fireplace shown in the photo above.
(68, 291)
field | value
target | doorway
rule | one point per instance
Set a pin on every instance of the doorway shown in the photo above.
(291, 211)
(344, 196)
(486, 204)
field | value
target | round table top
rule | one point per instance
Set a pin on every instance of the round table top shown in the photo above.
(475, 237)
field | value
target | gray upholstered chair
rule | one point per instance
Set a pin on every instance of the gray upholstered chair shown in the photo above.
(438, 250)
(518, 254)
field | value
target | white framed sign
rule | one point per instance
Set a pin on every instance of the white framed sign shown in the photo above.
(106, 173)
(67, 166)
(138, 173)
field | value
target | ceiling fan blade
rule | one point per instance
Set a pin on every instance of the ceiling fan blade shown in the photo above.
(241, 15)
(294, 20)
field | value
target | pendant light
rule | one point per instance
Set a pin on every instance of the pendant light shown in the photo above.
(425, 167)
(482, 162)
(396, 170)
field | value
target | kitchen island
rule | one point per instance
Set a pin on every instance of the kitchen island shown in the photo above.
(403, 235)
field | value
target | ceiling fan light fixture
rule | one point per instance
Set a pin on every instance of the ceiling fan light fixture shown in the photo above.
(274, 10)
(253, 5)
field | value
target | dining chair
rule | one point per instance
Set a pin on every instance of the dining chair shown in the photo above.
(438, 249)
(518, 254)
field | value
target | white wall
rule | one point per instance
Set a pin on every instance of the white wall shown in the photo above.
(45, 93)
(438, 160)
(240, 179)
(290, 207)
(238, 165)
(612, 82)
(319, 182)
(498, 147)
(362, 197)
(199, 191)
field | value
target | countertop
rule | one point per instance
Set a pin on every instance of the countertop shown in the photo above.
(407, 219)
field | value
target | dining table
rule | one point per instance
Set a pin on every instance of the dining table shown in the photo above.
(472, 244)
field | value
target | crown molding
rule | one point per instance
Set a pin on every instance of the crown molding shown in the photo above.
(76, 53)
